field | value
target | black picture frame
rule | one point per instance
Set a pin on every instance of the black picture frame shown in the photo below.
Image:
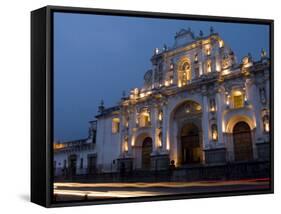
(42, 102)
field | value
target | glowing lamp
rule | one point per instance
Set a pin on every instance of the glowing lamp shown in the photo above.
(214, 133)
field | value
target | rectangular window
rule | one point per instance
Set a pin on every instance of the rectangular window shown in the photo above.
(238, 101)
(81, 163)
(115, 125)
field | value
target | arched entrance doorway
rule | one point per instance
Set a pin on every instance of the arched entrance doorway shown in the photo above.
(242, 142)
(146, 151)
(191, 152)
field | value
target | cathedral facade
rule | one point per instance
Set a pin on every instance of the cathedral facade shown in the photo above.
(198, 106)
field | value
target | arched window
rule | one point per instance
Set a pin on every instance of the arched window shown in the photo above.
(185, 70)
(184, 73)
(115, 125)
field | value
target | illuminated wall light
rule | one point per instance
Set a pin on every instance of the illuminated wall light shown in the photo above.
(136, 91)
(226, 71)
(221, 43)
(227, 100)
(214, 132)
(267, 127)
(156, 50)
(115, 125)
(218, 67)
(246, 61)
(168, 145)
(133, 141)
(223, 126)
(196, 58)
(126, 147)
(142, 95)
(159, 143)
(180, 85)
(171, 81)
(148, 119)
(166, 83)
(160, 116)
(266, 123)
(208, 50)
(215, 135)
(209, 66)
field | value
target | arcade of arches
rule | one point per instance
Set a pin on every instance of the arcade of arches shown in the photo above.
(188, 117)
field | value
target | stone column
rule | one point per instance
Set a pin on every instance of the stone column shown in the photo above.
(205, 122)
(165, 127)
(202, 63)
(132, 124)
(213, 64)
(219, 105)
(255, 100)
(154, 118)
(121, 132)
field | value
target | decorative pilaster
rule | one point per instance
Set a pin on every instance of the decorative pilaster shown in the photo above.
(219, 105)
(154, 118)
(165, 129)
(205, 122)
(132, 125)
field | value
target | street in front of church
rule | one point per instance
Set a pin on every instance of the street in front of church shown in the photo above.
(65, 191)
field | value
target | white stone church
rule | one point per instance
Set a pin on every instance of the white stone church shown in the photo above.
(198, 106)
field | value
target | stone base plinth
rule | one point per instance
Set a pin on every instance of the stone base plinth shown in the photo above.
(160, 162)
(125, 164)
(215, 156)
(263, 150)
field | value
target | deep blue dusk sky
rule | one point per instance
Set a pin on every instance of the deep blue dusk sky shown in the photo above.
(97, 57)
